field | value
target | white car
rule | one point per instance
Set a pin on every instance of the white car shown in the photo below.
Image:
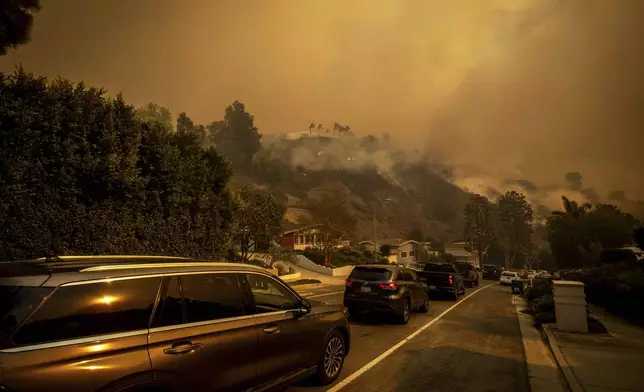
(507, 277)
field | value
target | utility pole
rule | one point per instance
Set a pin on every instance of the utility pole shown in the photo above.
(375, 232)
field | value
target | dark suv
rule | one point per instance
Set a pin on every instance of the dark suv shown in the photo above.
(387, 288)
(124, 323)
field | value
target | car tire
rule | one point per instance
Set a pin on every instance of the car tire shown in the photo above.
(405, 314)
(332, 359)
(424, 307)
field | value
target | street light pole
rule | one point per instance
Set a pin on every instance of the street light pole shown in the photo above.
(375, 236)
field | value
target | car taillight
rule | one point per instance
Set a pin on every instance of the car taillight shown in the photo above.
(388, 286)
(348, 282)
(451, 279)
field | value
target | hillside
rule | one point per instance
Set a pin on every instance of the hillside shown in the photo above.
(419, 193)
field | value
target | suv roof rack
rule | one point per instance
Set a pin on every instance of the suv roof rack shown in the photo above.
(50, 259)
(113, 267)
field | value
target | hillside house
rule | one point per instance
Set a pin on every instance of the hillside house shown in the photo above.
(460, 253)
(401, 251)
(305, 237)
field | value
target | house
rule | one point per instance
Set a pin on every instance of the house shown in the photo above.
(401, 251)
(305, 237)
(460, 253)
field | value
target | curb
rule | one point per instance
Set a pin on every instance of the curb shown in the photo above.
(543, 373)
(573, 384)
(299, 287)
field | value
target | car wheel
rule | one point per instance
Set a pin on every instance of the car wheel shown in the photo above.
(332, 360)
(424, 308)
(403, 318)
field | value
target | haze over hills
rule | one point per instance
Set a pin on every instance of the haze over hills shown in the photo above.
(539, 96)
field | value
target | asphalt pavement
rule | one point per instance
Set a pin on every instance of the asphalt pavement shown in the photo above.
(471, 345)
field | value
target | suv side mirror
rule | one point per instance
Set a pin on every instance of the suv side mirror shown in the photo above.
(305, 308)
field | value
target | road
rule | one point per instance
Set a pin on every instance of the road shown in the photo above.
(474, 346)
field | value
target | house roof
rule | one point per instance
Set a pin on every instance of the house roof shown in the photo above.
(392, 242)
(299, 228)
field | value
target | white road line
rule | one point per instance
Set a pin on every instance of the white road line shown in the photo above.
(305, 294)
(325, 294)
(387, 353)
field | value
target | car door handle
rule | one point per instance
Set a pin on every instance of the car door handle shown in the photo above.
(182, 348)
(272, 330)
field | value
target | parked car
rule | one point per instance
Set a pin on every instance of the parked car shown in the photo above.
(507, 277)
(150, 323)
(468, 272)
(385, 288)
(443, 279)
(491, 272)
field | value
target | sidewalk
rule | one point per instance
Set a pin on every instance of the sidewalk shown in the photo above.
(601, 362)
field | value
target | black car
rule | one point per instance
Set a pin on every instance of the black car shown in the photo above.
(469, 273)
(385, 288)
(491, 272)
(443, 279)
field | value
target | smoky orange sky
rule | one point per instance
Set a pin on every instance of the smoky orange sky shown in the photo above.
(502, 89)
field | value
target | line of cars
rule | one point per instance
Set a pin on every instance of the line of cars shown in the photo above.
(398, 290)
(143, 324)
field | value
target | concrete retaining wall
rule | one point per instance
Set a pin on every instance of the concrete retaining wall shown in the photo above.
(291, 277)
(342, 271)
(306, 263)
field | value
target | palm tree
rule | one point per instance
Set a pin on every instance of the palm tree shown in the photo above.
(311, 127)
(572, 209)
(320, 128)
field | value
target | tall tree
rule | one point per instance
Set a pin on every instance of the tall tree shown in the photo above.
(257, 220)
(515, 225)
(329, 214)
(478, 225)
(154, 112)
(16, 20)
(237, 138)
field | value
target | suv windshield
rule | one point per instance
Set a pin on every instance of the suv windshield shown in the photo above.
(439, 267)
(17, 303)
(371, 274)
(509, 274)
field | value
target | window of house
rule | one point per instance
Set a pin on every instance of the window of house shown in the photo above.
(411, 253)
(403, 254)
(91, 309)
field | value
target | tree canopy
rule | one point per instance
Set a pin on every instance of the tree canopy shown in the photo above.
(579, 231)
(79, 173)
(257, 220)
(515, 225)
(479, 231)
(16, 20)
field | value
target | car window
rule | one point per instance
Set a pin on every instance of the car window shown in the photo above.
(370, 274)
(270, 295)
(407, 276)
(439, 267)
(211, 297)
(16, 304)
(509, 274)
(91, 309)
(171, 310)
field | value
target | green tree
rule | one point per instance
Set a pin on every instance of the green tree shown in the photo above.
(236, 137)
(385, 250)
(479, 232)
(154, 112)
(330, 215)
(16, 20)
(638, 236)
(515, 225)
(257, 220)
(546, 260)
(79, 173)
(579, 232)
